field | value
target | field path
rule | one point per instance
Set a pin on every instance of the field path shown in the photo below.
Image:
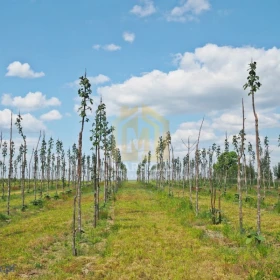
(148, 243)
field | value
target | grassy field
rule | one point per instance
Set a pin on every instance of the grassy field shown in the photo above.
(142, 234)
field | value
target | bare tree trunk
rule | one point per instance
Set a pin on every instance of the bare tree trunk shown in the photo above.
(173, 173)
(240, 155)
(23, 176)
(169, 167)
(197, 169)
(98, 181)
(259, 168)
(79, 171)
(189, 177)
(10, 166)
(105, 176)
(95, 189)
(245, 174)
(74, 249)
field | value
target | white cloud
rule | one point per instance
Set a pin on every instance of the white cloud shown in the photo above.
(231, 121)
(209, 79)
(94, 80)
(96, 47)
(32, 101)
(188, 11)
(111, 48)
(100, 79)
(145, 10)
(191, 130)
(29, 122)
(17, 69)
(51, 116)
(129, 37)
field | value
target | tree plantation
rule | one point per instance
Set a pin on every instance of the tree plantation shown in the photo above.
(67, 214)
(53, 173)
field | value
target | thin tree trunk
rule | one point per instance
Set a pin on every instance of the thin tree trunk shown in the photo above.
(10, 166)
(197, 169)
(23, 176)
(238, 174)
(259, 168)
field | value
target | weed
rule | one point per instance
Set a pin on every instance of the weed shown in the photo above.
(254, 237)
(38, 265)
(38, 202)
(277, 207)
(103, 214)
(206, 214)
(4, 217)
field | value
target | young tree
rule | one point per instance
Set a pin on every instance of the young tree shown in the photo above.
(149, 162)
(36, 160)
(84, 93)
(12, 152)
(69, 166)
(276, 171)
(43, 152)
(96, 139)
(59, 147)
(251, 153)
(161, 145)
(168, 145)
(63, 167)
(4, 154)
(210, 153)
(265, 164)
(49, 160)
(197, 160)
(35, 173)
(226, 170)
(24, 163)
(239, 147)
(253, 84)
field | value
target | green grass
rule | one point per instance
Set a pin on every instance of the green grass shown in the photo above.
(142, 234)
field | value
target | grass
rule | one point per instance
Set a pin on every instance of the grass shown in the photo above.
(142, 234)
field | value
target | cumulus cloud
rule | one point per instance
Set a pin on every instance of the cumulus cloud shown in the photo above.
(22, 70)
(146, 9)
(190, 130)
(129, 37)
(188, 11)
(231, 121)
(209, 79)
(94, 80)
(100, 79)
(51, 116)
(32, 101)
(29, 122)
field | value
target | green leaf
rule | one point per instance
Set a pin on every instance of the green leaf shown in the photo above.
(260, 238)
(248, 240)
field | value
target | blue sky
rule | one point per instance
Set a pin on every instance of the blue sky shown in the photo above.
(183, 58)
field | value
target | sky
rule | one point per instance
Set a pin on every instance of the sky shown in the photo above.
(182, 59)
